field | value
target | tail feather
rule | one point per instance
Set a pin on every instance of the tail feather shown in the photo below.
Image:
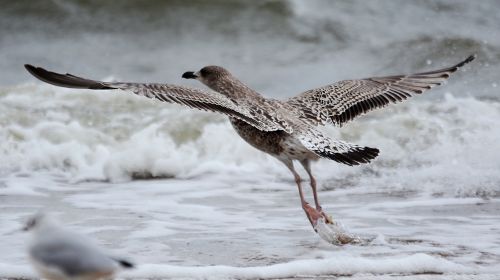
(354, 156)
(336, 150)
(65, 80)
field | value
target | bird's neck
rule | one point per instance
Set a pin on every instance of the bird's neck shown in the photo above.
(234, 89)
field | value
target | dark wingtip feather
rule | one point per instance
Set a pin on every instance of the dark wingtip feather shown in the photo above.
(64, 80)
(470, 58)
(32, 70)
(29, 67)
(467, 60)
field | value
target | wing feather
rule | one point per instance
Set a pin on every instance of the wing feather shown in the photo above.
(343, 101)
(191, 97)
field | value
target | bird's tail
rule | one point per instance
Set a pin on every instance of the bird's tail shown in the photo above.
(336, 150)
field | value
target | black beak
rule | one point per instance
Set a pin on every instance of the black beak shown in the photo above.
(189, 75)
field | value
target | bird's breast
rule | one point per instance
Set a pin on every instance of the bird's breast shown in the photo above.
(266, 141)
(276, 143)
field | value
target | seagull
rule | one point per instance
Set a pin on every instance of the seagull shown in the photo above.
(60, 254)
(285, 129)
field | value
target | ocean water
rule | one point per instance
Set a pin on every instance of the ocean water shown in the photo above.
(178, 192)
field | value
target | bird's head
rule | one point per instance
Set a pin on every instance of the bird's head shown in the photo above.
(208, 75)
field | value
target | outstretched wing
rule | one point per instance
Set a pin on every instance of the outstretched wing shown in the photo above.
(343, 101)
(191, 97)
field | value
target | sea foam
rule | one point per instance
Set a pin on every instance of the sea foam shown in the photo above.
(442, 146)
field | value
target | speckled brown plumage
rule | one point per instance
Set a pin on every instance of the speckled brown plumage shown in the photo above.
(345, 100)
(284, 129)
(266, 141)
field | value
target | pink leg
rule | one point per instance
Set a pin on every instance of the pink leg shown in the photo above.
(307, 166)
(312, 214)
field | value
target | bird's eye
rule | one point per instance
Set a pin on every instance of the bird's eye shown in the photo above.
(204, 72)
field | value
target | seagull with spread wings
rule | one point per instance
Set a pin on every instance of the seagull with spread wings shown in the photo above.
(287, 130)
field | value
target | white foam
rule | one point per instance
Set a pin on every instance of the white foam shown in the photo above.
(227, 210)
(345, 265)
(335, 233)
(418, 263)
(440, 146)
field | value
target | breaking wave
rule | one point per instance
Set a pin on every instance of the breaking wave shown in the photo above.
(444, 142)
(447, 146)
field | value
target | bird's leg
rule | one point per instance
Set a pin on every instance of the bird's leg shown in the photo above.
(312, 214)
(307, 166)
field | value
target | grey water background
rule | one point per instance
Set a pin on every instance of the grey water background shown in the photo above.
(430, 198)
(279, 47)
